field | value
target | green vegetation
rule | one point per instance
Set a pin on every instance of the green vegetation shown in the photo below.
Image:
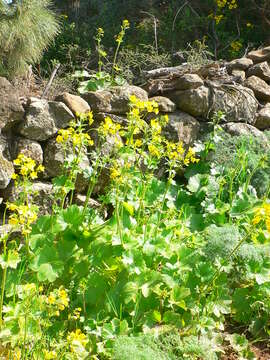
(171, 267)
(228, 28)
(26, 29)
(162, 275)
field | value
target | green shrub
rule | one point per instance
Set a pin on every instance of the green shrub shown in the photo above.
(26, 29)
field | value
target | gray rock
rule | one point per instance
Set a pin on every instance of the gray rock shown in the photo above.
(239, 73)
(239, 64)
(44, 118)
(60, 113)
(187, 82)
(75, 103)
(100, 117)
(237, 129)
(6, 166)
(237, 102)
(260, 55)
(116, 100)
(182, 127)
(54, 158)
(99, 101)
(29, 148)
(194, 102)
(260, 87)
(41, 195)
(165, 105)
(263, 118)
(11, 111)
(261, 70)
(80, 199)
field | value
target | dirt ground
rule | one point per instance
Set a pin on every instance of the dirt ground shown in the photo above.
(261, 351)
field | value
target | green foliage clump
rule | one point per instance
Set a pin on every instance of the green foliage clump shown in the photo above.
(253, 154)
(26, 30)
(176, 260)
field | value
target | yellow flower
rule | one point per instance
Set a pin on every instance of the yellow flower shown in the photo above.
(125, 24)
(77, 336)
(13, 221)
(115, 173)
(59, 139)
(262, 214)
(100, 31)
(33, 175)
(154, 151)
(51, 299)
(50, 355)
(138, 143)
(40, 168)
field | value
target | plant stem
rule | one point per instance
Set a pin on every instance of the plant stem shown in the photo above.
(4, 276)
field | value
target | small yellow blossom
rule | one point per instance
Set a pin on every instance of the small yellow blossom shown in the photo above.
(50, 355)
(77, 337)
(51, 299)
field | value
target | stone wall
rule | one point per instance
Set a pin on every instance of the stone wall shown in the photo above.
(189, 95)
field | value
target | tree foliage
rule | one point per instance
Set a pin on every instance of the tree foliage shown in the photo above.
(27, 27)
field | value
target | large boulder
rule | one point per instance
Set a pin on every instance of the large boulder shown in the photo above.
(237, 102)
(165, 105)
(261, 70)
(263, 118)
(239, 64)
(6, 166)
(74, 102)
(115, 100)
(11, 111)
(187, 81)
(237, 129)
(44, 118)
(182, 127)
(260, 87)
(194, 101)
(260, 55)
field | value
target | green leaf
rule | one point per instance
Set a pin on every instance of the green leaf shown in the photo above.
(173, 318)
(145, 290)
(178, 294)
(73, 215)
(47, 264)
(81, 74)
(10, 260)
(47, 273)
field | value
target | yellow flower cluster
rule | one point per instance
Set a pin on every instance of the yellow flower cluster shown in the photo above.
(59, 300)
(78, 139)
(140, 105)
(218, 18)
(27, 168)
(76, 314)
(232, 4)
(76, 338)
(22, 216)
(125, 25)
(262, 214)
(50, 355)
(100, 32)
(110, 128)
(236, 46)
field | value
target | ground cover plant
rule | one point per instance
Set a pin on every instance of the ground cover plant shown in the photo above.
(176, 260)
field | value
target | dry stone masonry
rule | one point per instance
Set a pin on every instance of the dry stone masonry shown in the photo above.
(189, 95)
